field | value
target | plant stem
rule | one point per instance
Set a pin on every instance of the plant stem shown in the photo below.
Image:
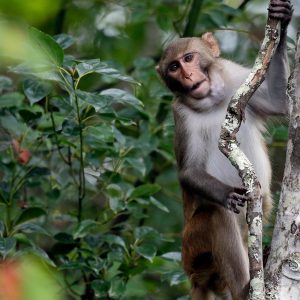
(8, 221)
(55, 134)
(192, 18)
(81, 187)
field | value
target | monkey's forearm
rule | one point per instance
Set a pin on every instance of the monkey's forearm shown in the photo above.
(277, 77)
(203, 184)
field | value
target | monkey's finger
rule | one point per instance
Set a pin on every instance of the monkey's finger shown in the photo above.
(241, 204)
(239, 197)
(230, 204)
(280, 3)
(241, 191)
(280, 11)
(235, 210)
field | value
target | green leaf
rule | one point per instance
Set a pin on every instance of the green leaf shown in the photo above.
(64, 40)
(117, 255)
(138, 164)
(218, 17)
(96, 66)
(117, 288)
(49, 51)
(96, 264)
(113, 270)
(13, 125)
(174, 256)
(38, 171)
(36, 90)
(146, 233)
(174, 277)
(115, 195)
(64, 238)
(84, 228)
(31, 228)
(11, 99)
(114, 73)
(62, 102)
(103, 102)
(124, 97)
(114, 190)
(99, 102)
(145, 190)
(100, 288)
(39, 253)
(70, 127)
(102, 133)
(7, 245)
(115, 205)
(5, 83)
(39, 71)
(159, 205)
(43, 255)
(147, 251)
(29, 214)
(114, 240)
(88, 66)
(28, 115)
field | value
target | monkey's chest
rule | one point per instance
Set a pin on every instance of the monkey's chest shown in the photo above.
(203, 144)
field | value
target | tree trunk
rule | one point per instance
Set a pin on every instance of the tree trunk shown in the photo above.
(283, 267)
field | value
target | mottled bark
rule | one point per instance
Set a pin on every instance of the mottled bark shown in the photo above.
(283, 266)
(229, 146)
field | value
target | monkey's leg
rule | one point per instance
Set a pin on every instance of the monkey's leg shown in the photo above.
(231, 256)
(201, 294)
(197, 253)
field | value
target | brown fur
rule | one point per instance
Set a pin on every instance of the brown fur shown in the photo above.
(205, 259)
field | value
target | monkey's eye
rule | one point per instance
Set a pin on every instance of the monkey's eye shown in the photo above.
(188, 57)
(173, 67)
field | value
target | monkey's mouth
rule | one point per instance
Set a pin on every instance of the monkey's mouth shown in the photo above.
(197, 85)
(200, 89)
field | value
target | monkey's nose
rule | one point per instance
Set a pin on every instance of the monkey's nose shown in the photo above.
(188, 76)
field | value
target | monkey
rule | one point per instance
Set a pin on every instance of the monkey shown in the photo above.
(214, 246)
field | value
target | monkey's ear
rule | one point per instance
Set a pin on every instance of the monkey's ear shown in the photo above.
(212, 43)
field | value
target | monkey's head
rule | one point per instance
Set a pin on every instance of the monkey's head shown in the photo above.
(185, 64)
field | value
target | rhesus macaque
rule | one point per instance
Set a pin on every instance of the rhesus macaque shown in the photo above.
(214, 247)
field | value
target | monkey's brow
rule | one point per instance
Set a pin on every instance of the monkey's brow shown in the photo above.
(188, 53)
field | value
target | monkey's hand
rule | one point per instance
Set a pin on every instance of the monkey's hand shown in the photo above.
(237, 198)
(281, 10)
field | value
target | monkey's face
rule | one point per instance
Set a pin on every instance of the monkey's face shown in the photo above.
(185, 66)
(186, 73)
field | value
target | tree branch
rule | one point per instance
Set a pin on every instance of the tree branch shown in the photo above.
(229, 147)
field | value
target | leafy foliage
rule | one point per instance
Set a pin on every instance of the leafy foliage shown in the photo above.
(85, 172)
